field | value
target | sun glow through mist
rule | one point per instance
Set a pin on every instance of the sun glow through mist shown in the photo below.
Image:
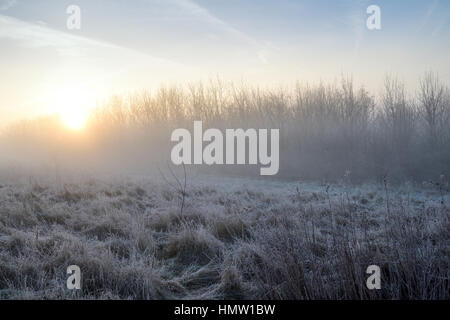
(73, 107)
(73, 119)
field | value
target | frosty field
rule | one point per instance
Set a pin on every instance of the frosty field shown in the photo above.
(233, 238)
(224, 150)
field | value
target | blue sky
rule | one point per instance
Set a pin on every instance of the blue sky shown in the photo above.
(130, 45)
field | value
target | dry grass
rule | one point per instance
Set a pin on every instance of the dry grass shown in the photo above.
(248, 240)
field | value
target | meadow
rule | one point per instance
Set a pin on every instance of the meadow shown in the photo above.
(237, 239)
(362, 181)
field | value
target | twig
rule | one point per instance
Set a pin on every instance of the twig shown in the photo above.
(181, 188)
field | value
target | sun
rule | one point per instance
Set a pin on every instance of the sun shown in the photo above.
(73, 119)
(73, 107)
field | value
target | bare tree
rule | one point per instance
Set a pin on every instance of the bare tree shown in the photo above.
(398, 114)
(432, 106)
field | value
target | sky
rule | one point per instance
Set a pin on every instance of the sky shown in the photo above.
(125, 46)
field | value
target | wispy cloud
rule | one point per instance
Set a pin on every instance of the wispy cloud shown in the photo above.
(6, 4)
(203, 14)
(441, 24)
(355, 20)
(261, 50)
(428, 14)
(37, 35)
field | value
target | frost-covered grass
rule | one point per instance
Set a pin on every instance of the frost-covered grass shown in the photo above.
(235, 238)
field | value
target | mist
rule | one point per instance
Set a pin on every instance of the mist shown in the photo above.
(326, 130)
